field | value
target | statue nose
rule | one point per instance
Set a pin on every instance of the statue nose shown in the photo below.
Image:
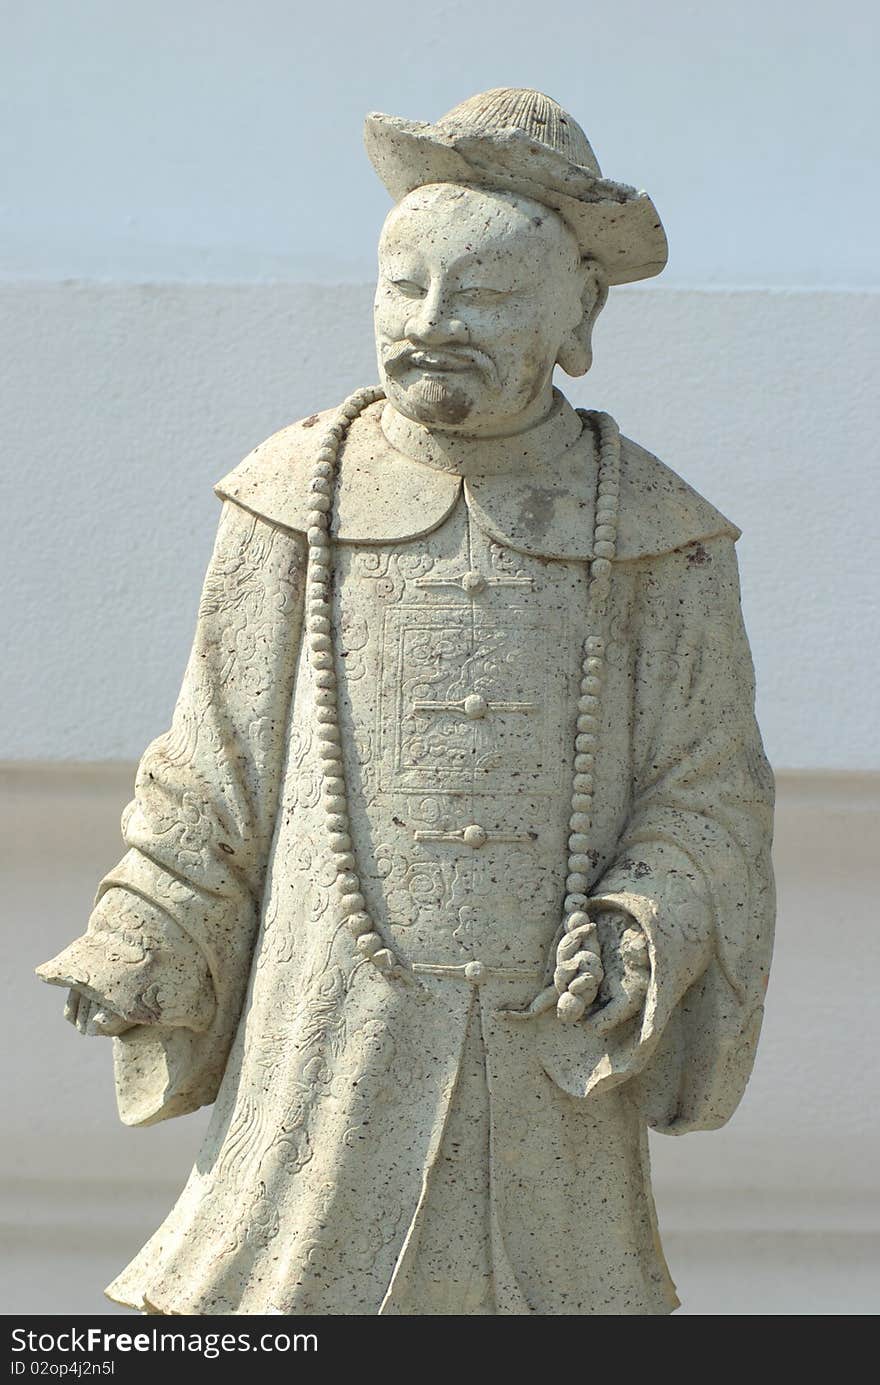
(435, 329)
(432, 324)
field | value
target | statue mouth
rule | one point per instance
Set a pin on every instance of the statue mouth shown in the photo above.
(437, 361)
(434, 361)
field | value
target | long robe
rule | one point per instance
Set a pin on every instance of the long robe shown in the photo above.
(380, 1146)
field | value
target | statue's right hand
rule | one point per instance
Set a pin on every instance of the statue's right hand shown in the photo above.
(91, 1017)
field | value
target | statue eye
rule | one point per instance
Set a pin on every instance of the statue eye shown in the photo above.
(409, 288)
(479, 295)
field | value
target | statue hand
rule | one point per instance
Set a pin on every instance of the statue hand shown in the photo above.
(601, 974)
(627, 972)
(579, 970)
(577, 974)
(603, 963)
(91, 1017)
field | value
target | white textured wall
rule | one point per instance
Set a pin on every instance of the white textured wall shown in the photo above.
(214, 139)
(126, 402)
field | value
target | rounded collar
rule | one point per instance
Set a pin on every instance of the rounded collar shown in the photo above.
(535, 449)
(385, 495)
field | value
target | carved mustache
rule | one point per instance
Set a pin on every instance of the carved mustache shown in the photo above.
(407, 356)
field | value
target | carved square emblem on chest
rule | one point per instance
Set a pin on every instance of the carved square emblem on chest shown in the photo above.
(471, 700)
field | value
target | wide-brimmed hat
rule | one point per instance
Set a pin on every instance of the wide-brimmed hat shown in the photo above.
(522, 141)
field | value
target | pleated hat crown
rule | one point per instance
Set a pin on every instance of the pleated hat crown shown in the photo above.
(536, 115)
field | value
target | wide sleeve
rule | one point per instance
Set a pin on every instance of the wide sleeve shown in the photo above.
(169, 943)
(692, 865)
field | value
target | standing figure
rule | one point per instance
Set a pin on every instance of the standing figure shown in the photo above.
(451, 876)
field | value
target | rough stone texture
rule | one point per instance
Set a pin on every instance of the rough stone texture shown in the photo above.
(452, 874)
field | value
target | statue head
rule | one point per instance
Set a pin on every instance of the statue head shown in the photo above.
(496, 259)
(480, 294)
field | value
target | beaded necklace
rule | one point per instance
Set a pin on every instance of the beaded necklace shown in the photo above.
(369, 942)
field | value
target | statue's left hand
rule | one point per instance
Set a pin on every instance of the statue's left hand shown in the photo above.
(601, 974)
(90, 1017)
(627, 972)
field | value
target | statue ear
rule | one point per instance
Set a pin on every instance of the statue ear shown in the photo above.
(575, 355)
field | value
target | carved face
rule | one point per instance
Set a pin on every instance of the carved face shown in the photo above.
(479, 292)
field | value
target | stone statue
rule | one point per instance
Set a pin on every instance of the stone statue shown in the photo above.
(452, 874)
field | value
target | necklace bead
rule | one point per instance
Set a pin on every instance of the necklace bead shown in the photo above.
(352, 903)
(368, 944)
